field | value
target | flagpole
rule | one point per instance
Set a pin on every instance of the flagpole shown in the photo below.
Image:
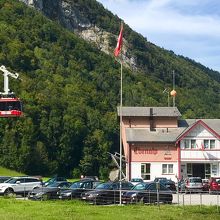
(117, 52)
(120, 171)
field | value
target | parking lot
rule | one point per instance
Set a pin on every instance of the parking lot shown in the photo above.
(184, 199)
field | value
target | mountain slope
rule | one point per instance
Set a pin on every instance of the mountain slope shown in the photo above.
(70, 91)
(90, 20)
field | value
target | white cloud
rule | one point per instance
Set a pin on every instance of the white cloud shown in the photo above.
(173, 24)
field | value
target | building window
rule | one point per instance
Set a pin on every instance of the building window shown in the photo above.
(186, 144)
(167, 168)
(189, 144)
(193, 144)
(206, 144)
(209, 144)
(212, 144)
(145, 171)
(214, 170)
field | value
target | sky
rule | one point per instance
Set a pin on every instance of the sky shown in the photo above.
(187, 27)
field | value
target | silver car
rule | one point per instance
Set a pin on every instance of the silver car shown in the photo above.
(19, 185)
(193, 184)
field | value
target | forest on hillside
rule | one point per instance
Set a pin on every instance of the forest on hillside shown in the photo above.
(70, 91)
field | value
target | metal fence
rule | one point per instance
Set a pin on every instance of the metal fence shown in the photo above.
(104, 197)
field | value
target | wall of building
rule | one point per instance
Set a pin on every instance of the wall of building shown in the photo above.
(153, 152)
(155, 169)
(199, 152)
(144, 122)
(214, 170)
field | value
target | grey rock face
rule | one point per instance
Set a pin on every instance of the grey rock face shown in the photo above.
(34, 3)
(64, 11)
(69, 15)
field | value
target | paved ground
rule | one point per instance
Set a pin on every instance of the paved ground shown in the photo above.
(196, 199)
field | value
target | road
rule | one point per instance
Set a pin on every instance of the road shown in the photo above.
(196, 199)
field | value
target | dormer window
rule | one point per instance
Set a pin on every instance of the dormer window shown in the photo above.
(209, 144)
(189, 144)
(186, 144)
(193, 144)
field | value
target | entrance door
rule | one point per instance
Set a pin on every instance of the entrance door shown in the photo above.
(198, 170)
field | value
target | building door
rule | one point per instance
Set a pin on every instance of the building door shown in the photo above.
(198, 170)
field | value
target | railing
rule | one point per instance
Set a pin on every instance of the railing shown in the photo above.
(156, 197)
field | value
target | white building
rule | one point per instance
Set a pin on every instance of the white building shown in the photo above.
(157, 143)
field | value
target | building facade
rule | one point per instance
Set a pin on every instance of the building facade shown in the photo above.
(157, 143)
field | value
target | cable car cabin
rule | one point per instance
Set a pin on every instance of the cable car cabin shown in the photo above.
(10, 107)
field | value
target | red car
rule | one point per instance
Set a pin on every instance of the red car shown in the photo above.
(214, 185)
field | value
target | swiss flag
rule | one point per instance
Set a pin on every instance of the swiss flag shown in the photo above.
(119, 43)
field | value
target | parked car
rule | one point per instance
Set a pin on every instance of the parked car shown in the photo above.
(166, 182)
(181, 185)
(106, 193)
(150, 192)
(48, 192)
(53, 180)
(79, 187)
(19, 185)
(193, 184)
(135, 181)
(4, 178)
(91, 177)
(214, 185)
(205, 185)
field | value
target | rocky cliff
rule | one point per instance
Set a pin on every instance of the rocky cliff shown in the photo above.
(71, 16)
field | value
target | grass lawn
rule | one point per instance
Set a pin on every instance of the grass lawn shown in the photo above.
(8, 172)
(24, 209)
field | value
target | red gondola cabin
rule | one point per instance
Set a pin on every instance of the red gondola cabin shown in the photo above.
(10, 107)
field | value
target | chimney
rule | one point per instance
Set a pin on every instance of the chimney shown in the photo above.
(151, 120)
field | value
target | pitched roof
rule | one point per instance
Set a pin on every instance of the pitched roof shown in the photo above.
(172, 134)
(145, 111)
(213, 125)
(160, 135)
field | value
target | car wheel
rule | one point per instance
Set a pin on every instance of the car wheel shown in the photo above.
(9, 192)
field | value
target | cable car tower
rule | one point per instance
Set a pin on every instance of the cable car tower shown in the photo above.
(10, 106)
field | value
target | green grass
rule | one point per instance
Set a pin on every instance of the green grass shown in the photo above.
(24, 209)
(8, 172)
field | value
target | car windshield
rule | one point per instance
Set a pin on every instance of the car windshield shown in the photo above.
(217, 180)
(140, 186)
(50, 181)
(104, 186)
(55, 184)
(160, 179)
(136, 180)
(195, 180)
(11, 180)
(76, 185)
